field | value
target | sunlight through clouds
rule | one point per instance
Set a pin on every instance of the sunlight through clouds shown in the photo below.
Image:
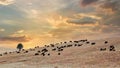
(36, 22)
(6, 2)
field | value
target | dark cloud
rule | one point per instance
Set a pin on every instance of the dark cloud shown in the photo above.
(15, 39)
(109, 4)
(114, 18)
(109, 10)
(83, 21)
(73, 7)
(87, 2)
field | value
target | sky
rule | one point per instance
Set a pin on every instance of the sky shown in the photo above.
(40, 22)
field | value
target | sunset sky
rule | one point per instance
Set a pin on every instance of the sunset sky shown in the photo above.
(39, 22)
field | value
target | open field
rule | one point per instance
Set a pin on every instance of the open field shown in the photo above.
(84, 56)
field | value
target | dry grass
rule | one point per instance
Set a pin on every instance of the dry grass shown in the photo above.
(85, 56)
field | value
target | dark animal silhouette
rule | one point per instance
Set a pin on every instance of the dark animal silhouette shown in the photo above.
(80, 45)
(93, 43)
(45, 45)
(58, 53)
(18, 52)
(64, 46)
(23, 49)
(87, 42)
(10, 52)
(76, 41)
(38, 51)
(102, 49)
(60, 49)
(36, 54)
(26, 52)
(44, 50)
(112, 48)
(0, 54)
(52, 45)
(75, 45)
(43, 54)
(49, 54)
(106, 42)
(54, 49)
(83, 40)
(65, 42)
(69, 45)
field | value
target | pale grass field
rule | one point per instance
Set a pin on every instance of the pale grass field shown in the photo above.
(86, 56)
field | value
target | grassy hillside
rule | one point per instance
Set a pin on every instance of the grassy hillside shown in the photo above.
(76, 54)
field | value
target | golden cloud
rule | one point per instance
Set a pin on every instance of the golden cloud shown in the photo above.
(6, 2)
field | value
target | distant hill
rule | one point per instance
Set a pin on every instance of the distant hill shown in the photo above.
(71, 54)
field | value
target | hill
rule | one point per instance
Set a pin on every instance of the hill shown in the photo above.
(72, 54)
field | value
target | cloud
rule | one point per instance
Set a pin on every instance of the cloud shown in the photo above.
(83, 21)
(6, 2)
(88, 2)
(15, 39)
(1, 30)
(20, 31)
(110, 4)
(109, 11)
(108, 18)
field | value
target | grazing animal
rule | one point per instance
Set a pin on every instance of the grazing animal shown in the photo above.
(38, 51)
(75, 44)
(80, 45)
(76, 41)
(82, 40)
(32, 49)
(0, 54)
(60, 49)
(54, 49)
(44, 50)
(87, 42)
(23, 49)
(93, 43)
(65, 42)
(18, 52)
(58, 53)
(43, 54)
(36, 47)
(36, 54)
(5, 53)
(26, 52)
(112, 48)
(49, 54)
(45, 45)
(10, 52)
(102, 49)
(69, 45)
(106, 42)
(64, 46)
(52, 45)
